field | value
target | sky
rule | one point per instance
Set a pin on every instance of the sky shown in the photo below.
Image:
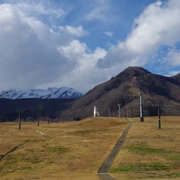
(82, 43)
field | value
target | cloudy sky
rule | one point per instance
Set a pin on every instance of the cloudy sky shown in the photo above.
(81, 43)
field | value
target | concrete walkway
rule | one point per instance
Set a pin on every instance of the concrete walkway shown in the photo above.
(104, 169)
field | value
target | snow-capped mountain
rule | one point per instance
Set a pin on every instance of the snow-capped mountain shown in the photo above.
(50, 93)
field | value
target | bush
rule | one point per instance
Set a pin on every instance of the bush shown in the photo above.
(76, 118)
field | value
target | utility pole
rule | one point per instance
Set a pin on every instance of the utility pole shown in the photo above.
(127, 115)
(131, 113)
(159, 117)
(20, 127)
(109, 112)
(119, 105)
(141, 108)
(47, 119)
(38, 116)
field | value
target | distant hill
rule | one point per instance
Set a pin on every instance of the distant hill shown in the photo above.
(50, 93)
(35, 103)
(124, 89)
(32, 108)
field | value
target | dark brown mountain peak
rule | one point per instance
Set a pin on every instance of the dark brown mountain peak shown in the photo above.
(134, 71)
(131, 74)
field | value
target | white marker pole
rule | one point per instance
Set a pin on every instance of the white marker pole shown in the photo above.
(95, 111)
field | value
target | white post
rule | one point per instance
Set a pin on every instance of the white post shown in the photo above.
(95, 111)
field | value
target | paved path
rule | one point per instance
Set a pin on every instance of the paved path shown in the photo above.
(104, 169)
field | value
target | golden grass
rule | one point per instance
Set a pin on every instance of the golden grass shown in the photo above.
(66, 151)
(149, 152)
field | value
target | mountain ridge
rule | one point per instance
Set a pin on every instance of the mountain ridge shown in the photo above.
(50, 93)
(124, 89)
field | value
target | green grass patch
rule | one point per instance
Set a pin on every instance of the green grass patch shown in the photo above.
(174, 157)
(143, 148)
(33, 158)
(156, 166)
(124, 168)
(140, 167)
(55, 149)
(33, 150)
(175, 174)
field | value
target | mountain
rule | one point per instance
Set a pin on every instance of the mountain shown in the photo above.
(32, 108)
(50, 93)
(124, 89)
(177, 77)
(35, 103)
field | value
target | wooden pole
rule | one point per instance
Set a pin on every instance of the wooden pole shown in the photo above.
(47, 119)
(159, 117)
(119, 105)
(127, 115)
(141, 108)
(20, 127)
(109, 112)
(38, 120)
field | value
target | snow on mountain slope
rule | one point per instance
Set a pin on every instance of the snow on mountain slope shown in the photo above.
(50, 93)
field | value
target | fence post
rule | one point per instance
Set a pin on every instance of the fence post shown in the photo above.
(159, 117)
(20, 127)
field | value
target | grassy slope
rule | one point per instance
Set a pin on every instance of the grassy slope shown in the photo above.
(65, 151)
(149, 152)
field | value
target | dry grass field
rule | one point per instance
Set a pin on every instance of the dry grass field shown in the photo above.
(150, 153)
(76, 150)
(65, 151)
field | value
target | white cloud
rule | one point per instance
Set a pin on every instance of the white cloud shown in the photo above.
(29, 54)
(173, 58)
(108, 33)
(43, 9)
(35, 55)
(100, 11)
(158, 25)
(85, 75)
(76, 31)
(74, 48)
(39, 8)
